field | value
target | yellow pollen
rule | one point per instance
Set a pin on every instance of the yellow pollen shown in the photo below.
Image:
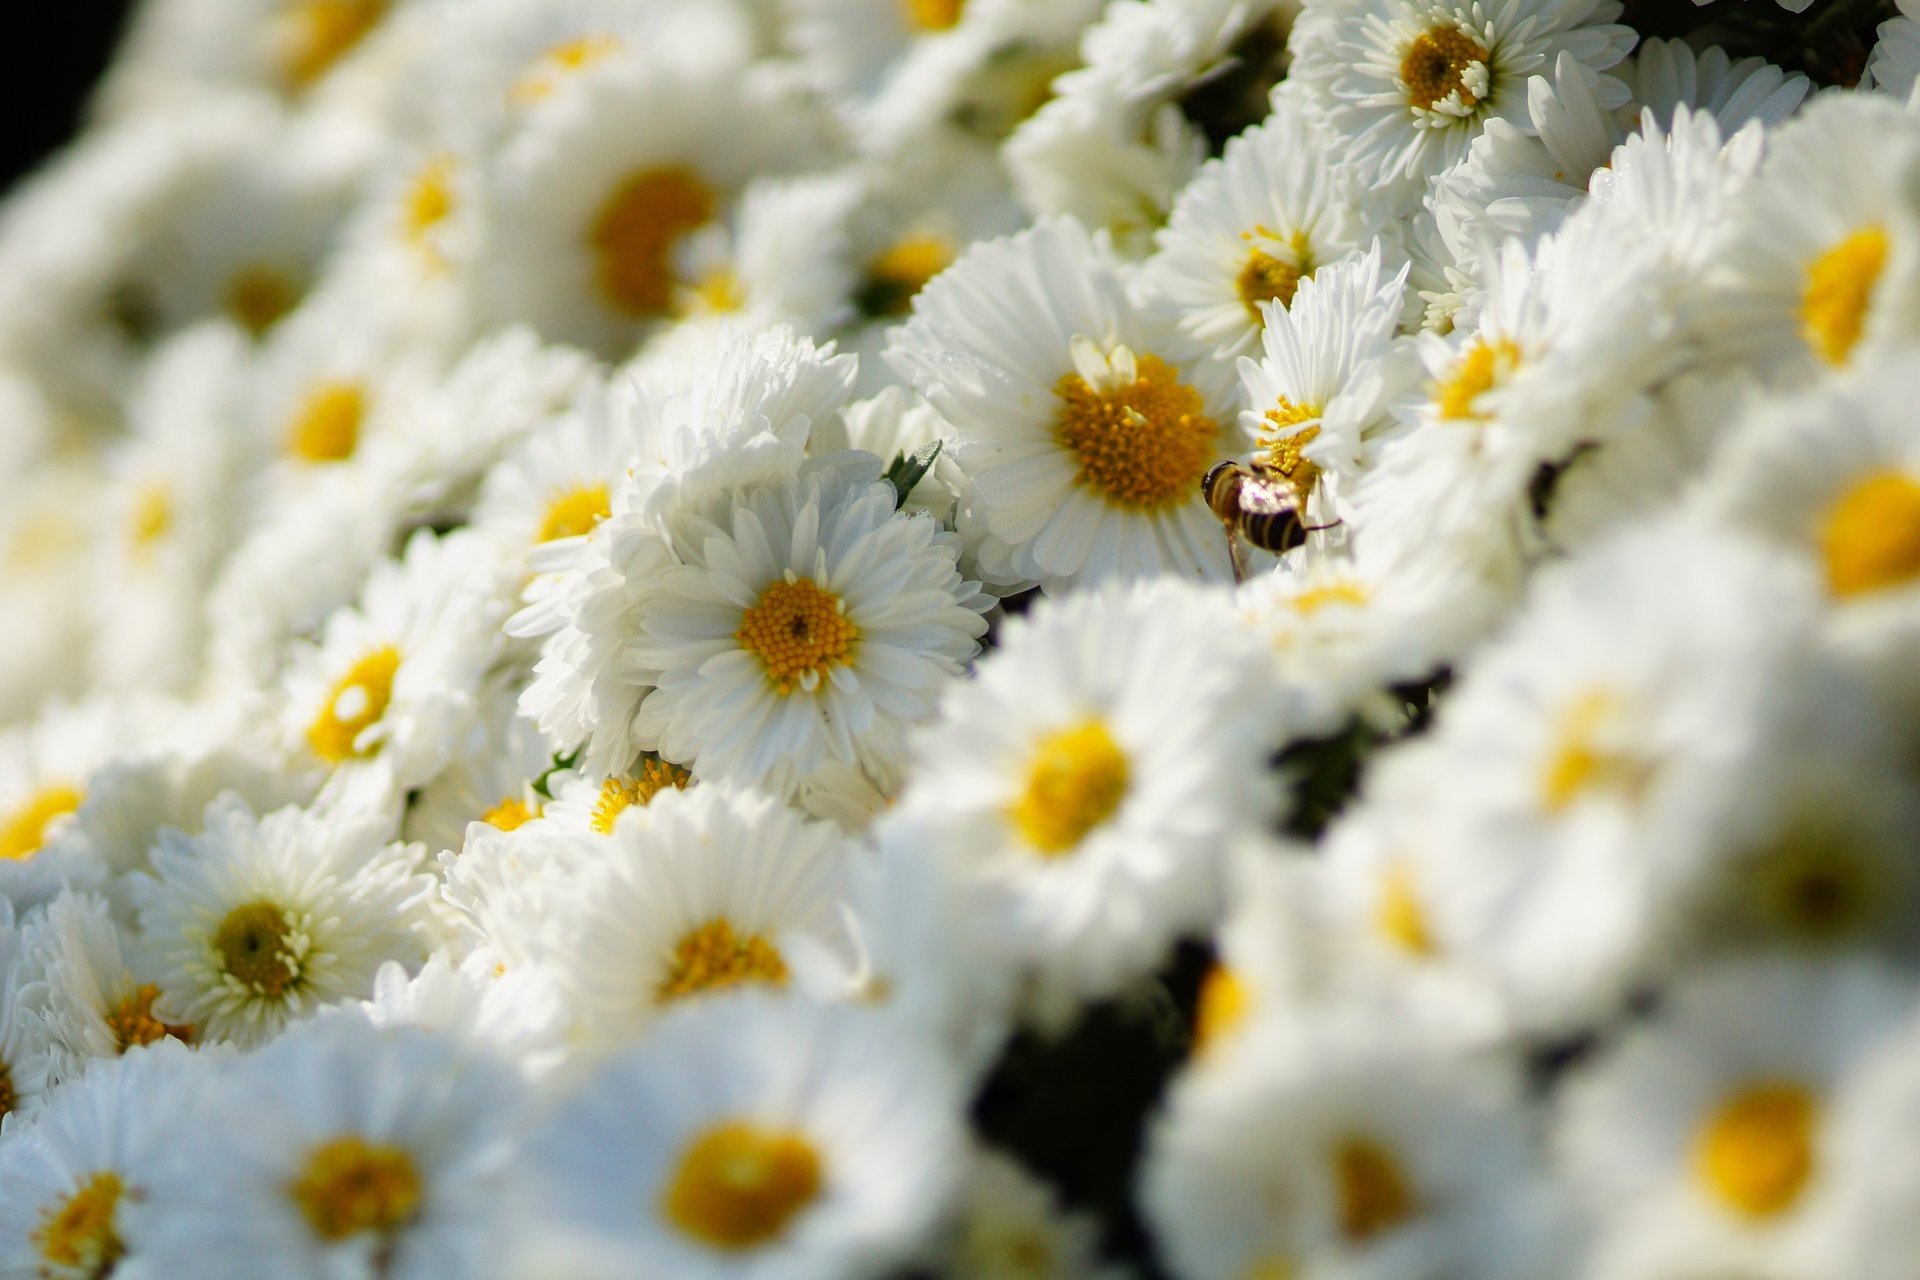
(26, 829)
(1340, 591)
(350, 1186)
(1076, 781)
(1374, 1196)
(551, 68)
(1397, 914)
(1755, 1152)
(510, 814)
(81, 1233)
(1582, 763)
(574, 513)
(1266, 278)
(713, 958)
(1435, 67)
(737, 1186)
(327, 426)
(316, 34)
(253, 944)
(132, 1021)
(901, 270)
(719, 291)
(1143, 446)
(152, 516)
(1871, 540)
(636, 231)
(799, 632)
(934, 15)
(1224, 1004)
(428, 202)
(355, 704)
(1482, 366)
(1284, 450)
(1840, 283)
(257, 296)
(617, 795)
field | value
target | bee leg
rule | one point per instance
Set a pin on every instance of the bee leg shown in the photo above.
(1316, 528)
(1237, 553)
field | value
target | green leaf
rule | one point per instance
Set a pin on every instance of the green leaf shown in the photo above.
(561, 760)
(906, 471)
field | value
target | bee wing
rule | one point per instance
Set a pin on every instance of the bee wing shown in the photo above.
(1260, 497)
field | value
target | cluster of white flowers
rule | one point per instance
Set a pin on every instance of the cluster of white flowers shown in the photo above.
(623, 653)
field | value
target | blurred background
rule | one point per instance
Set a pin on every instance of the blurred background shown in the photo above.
(58, 51)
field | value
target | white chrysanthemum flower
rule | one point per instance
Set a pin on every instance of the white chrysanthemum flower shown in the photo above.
(72, 1172)
(1598, 756)
(1666, 75)
(1879, 1182)
(1408, 84)
(746, 1138)
(26, 1069)
(558, 481)
(516, 1015)
(1252, 227)
(341, 1149)
(797, 623)
(491, 777)
(891, 424)
(1894, 66)
(393, 684)
(588, 216)
(1340, 1143)
(1082, 788)
(94, 1005)
(1013, 1227)
(47, 766)
(1702, 1143)
(46, 539)
(1084, 441)
(259, 922)
(1825, 261)
(698, 892)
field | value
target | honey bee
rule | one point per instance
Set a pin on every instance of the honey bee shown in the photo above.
(1260, 504)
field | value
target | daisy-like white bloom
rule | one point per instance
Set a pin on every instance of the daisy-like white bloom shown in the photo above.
(587, 217)
(1252, 226)
(70, 1175)
(46, 767)
(889, 425)
(698, 892)
(259, 922)
(1601, 751)
(1342, 1143)
(780, 257)
(1822, 266)
(1702, 1144)
(1666, 75)
(392, 685)
(1082, 789)
(1083, 438)
(26, 1068)
(341, 1149)
(1410, 83)
(746, 1137)
(1013, 1227)
(796, 623)
(511, 1012)
(1851, 507)
(45, 544)
(490, 779)
(558, 481)
(94, 1005)
(1881, 1184)
(1895, 65)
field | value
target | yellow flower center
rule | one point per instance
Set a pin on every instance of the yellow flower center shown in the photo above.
(712, 958)
(350, 1186)
(326, 427)
(1284, 450)
(1816, 886)
(1872, 536)
(574, 513)
(799, 631)
(257, 296)
(80, 1233)
(1340, 591)
(1224, 1004)
(1584, 762)
(1436, 64)
(1755, 1152)
(1266, 278)
(26, 829)
(427, 204)
(1076, 781)
(636, 231)
(901, 270)
(254, 945)
(1398, 915)
(552, 68)
(617, 795)
(510, 814)
(1840, 282)
(313, 35)
(132, 1021)
(356, 703)
(1484, 365)
(933, 15)
(151, 516)
(8, 1097)
(1373, 1190)
(738, 1186)
(1143, 444)
(719, 291)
